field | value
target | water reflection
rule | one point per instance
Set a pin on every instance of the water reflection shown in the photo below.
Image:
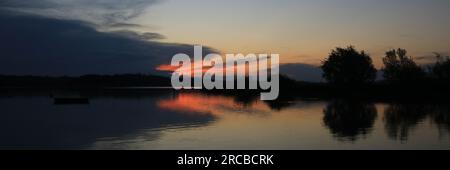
(349, 119)
(168, 120)
(216, 105)
(403, 118)
(441, 116)
(33, 122)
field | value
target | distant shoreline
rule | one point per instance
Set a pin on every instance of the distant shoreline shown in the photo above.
(431, 90)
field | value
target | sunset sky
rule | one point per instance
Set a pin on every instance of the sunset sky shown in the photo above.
(73, 37)
(304, 30)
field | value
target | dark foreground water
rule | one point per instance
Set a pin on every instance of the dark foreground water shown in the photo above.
(168, 120)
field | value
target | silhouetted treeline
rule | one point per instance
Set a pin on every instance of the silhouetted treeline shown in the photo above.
(350, 73)
(348, 66)
(86, 81)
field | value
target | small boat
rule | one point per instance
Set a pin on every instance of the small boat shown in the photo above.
(71, 100)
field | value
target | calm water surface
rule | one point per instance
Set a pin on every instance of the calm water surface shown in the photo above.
(168, 120)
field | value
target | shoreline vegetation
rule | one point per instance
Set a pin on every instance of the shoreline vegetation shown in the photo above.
(349, 74)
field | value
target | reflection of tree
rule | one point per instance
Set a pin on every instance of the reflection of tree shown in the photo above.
(349, 119)
(245, 98)
(441, 116)
(278, 104)
(400, 119)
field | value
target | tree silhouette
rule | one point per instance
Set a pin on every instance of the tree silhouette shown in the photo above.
(441, 69)
(400, 68)
(348, 66)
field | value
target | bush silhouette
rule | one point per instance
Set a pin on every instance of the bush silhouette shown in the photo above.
(441, 69)
(348, 66)
(399, 67)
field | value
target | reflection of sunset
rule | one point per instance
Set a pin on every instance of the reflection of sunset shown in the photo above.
(203, 104)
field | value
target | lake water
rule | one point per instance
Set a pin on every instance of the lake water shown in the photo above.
(169, 120)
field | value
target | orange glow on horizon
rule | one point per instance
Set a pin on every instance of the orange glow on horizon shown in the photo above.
(196, 64)
(166, 67)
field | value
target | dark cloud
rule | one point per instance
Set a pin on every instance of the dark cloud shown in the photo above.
(152, 35)
(142, 36)
(425, 59)
(60, 37)
(125, 25)
(29, 4)
(48, 46)
(101, 12)
(430, 57)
